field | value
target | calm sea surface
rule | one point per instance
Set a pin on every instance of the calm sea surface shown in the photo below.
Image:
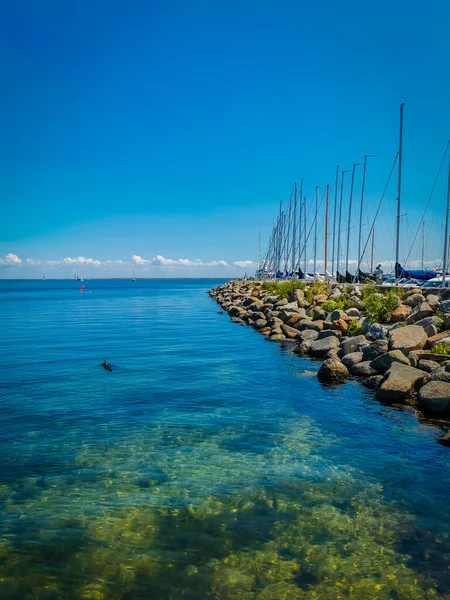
(206, 465)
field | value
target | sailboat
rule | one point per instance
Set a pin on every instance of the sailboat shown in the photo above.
(134, 273)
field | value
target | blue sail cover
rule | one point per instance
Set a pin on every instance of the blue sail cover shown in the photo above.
(415, 273)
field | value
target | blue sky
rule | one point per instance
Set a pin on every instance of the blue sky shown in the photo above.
(169, 129)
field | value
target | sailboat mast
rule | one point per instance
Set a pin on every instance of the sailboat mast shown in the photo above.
(334, 218)
(444, 262)
(304, 228)
(300, 196)
(315, 231)
(326, 229)
(371, 255)
(294, 228)
(399, 186)
(361, 209)
(339, 221)
(350, 216)
(423, 242)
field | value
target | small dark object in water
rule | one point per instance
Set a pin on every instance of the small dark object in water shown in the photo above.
(220, 312)
(445, 439)
(106, 366)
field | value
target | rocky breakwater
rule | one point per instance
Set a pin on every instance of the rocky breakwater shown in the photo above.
(394, 341)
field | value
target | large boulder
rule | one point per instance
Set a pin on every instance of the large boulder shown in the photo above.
(352, 312)
(414, 300)
(363, 369)
(351, 344)
(356, 302)
(407, 338)
(400, 314)
(431, 325)
(352, 359)
(274, 322)
(332, 371)
(261, 324)
(434, 398)
(420, 312)
(340, 325)
(319, 348)
(400, 382)
(383, 362)
(303, 347)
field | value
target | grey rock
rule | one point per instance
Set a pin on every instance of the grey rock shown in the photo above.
(281, 302)
(308, 335)
(431, 325)
(427, 365)
(319, 348)
(333, 352)
(407, 338)
(260, 324)
(272, 299)
(297, 295)
(350, 344)
(371, 351)
(414, 300)
(337, 315)
(352, 312)
(303, 347)
(444, 306)
(434, 397)
(400, 382)
(419, 312)
(332, 371)
(285, 315)
(363, 369)
(309, 324)
(327, 332)
(319, 314)
(383, 362)
(440, 374)
(274, 321)
(290, 332)
(352, 359)
(373, 382)
(377, 332)
(356, 302)
(433, 300)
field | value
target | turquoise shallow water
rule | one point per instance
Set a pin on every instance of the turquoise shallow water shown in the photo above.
(208, 464)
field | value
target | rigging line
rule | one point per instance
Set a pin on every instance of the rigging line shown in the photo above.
(309, 232)
(360, 258)
(429, 200)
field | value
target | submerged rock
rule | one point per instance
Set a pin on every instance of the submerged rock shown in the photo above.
(332, 371)
(445, 439)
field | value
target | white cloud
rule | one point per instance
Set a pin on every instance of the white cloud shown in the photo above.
(81, 262)
(12, 259)
(217, 263)
(244, 264)
(138, 260)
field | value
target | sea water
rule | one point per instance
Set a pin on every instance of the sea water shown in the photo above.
(209, 464)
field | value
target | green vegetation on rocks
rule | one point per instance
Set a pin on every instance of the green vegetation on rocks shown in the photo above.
(441, 348)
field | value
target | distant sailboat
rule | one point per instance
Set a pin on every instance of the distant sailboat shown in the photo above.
(134, 274)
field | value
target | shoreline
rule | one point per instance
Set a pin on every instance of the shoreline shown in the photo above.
(403, 356)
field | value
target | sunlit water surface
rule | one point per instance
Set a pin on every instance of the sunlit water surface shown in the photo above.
(207, 464)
